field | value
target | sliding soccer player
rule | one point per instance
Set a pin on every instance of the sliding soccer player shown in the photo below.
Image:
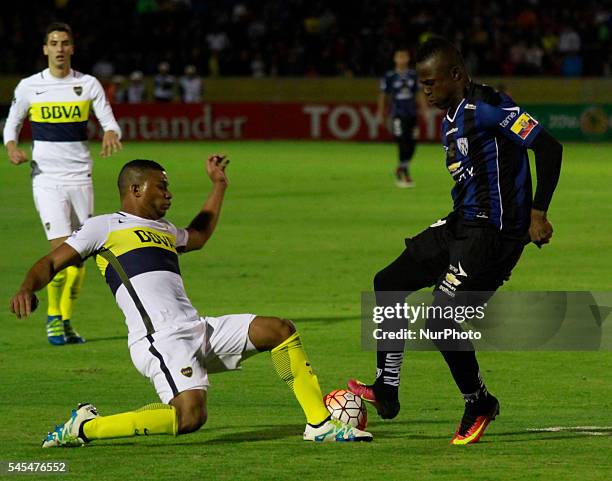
(137, 251)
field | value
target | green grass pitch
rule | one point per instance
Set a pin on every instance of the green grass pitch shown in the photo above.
(304, 228)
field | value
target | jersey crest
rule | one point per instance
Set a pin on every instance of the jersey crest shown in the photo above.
(462, 145)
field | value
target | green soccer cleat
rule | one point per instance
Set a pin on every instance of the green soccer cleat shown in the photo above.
(334, 430)
(69, 435)
(71, 336)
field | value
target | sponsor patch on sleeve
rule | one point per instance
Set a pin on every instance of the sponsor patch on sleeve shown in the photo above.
(524, 125)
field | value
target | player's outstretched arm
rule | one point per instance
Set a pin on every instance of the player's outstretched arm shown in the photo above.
(203, 224)
(40, 275)
(548, 153)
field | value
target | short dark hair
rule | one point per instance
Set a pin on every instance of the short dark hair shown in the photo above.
(58, 27)
(438, 45)
(134, 172)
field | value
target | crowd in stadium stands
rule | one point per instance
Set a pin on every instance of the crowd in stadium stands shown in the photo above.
(260, 38)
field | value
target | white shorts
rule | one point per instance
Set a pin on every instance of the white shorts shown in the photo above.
(63, 208)
(179, 358)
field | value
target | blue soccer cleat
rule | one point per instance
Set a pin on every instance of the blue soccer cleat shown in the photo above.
(55, 331)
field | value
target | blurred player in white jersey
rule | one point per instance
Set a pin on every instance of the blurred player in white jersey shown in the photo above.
(137, 251)
(191, 86)
(58, 101)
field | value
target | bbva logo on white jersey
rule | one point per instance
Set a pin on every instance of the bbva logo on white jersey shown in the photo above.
(462, 144)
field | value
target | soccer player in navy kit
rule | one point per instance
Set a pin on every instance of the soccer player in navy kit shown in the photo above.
(474, 249)
(399, 86)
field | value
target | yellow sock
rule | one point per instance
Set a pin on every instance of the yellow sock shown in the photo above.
(74, 281)
(292, 365)
(54, 293)
(153, 418)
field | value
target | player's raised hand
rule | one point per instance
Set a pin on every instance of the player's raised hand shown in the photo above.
(110, 143)
(23, 303)
(215, 168)
(540, 230)
(17, 156)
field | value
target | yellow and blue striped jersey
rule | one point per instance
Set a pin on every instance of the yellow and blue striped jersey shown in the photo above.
(59, 110)
(139, 261)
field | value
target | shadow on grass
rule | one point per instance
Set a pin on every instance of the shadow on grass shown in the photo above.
(103, 339)
(259, 433)
(557, 435)
(522, 436)
(216, 436)
(347, 317)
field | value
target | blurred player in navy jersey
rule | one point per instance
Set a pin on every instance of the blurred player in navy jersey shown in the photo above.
(399, 88)
(468, 254)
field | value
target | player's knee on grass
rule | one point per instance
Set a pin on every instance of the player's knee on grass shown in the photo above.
(191, 410)
(268, 332)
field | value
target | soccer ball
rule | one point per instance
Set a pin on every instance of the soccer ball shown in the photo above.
(347, 407)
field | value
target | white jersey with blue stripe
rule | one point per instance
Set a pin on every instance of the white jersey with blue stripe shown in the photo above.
(139, 261)
(59, 109)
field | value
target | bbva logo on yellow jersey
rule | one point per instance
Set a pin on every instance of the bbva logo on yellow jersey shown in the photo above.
(60, 112)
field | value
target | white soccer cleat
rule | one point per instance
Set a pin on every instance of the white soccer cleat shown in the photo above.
(69, 435)
(334, 430)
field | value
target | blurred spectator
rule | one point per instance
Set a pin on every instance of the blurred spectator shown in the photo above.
(533, 58)
(572, 65)
(136, 92)
(217, 40)
(258, 67)
(527, 19)
(569, 41)
(163, 84)
(214, 67)
(300, 37)
(191, 86)
(116, 93)
(103, 69)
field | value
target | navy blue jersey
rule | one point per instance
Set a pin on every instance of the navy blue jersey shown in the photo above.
(486, 139)
(402, 88)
